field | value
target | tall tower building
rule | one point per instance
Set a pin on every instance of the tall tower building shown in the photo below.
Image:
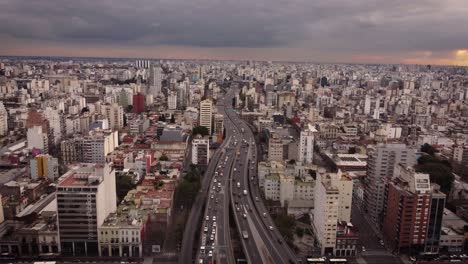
(172, 101)
(114, 113)
(201, 151)
(306, 144)
(155, 80)
(380, 165)
(3, 120)
(206, 113)
(86, 195)
(138, 103)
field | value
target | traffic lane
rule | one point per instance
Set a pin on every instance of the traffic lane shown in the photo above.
(367, 236)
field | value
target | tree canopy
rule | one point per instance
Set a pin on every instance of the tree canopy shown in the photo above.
(439, 171)
(200, 130)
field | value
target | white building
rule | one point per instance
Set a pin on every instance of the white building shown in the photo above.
(206, 113)
(200, 151)
(155, 81)
(172, 101)
(3, 120)
(306, 144)
(113, 113)
(53, 117)
(37, 139)
(86, 195)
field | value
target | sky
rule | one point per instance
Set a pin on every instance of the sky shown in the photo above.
(352, 31)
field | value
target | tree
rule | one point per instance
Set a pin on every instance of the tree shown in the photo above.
(439, 173)
(124, 183)
(428, 149)
(172, 121)
(286, 225)
(352, 150)
(162, 118)
(163, 157)
(157, 184)
(200, 130)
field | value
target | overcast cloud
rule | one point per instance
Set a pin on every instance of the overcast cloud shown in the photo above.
(432, 29)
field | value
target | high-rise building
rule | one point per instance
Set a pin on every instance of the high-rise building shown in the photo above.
(172, 101)
(200, 151)
(332, 206)
(306, 144)
(90, 149)
(113, 113)
(86, 195)
(275, 147)
(155, 80)
(138, 103)
(3, 120)
(408, 210)
(44, 166)
(380, 165)
(53, 117)
(218, 126)
(206, 114)
(182, 95)
(460, 154)
(37, 139)
(142, 64)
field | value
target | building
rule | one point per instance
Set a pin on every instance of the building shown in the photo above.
(44, 166)
(380, 165)
(332, 208)
(121, 235)
(86, 195)
(200, 151)
(460, 154)
(90, 149)
(38, 139)
(306, 144)
(114, 113)
(407, 210)
(218, 126)
(3, 120)
(275, 147)
(138, 103)
(206, 114)
(172, 101)
(155, 80)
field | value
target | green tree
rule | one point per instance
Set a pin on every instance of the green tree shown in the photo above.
(286, 225)
(428, 149)
(200, 130)
(124, 183)
(299, 232)
(439, 173)
(158, 184)
(163, 157)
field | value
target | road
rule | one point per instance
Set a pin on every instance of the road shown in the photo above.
(187, 247)
(264, 243)
(215, 241)
(374, 252)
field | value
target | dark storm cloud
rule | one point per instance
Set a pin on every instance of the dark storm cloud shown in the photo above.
(358, 25)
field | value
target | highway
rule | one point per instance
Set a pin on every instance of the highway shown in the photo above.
(263, 243)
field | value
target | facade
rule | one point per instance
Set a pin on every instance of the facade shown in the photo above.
(90, 149)
(86, 195)
(3, 120)
(275, 148)
(114, 113)
(138, 103)
(200, 151)
(38, 139)
(306, 145)
(172, 101)
(408, 210)
(460, 154)
(380, 165)
(206, 114)
(44, 166)
(155, 80)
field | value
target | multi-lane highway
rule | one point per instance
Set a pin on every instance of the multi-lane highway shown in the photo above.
(231, 181)
(262, 243)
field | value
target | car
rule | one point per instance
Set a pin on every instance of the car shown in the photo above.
(214, 224)
(270, 227)
(207, 218)
(264, 214)
(212, 238)
(212, 196)
(214, 217)
(214, 180)
(237, 209)
(256, 199)
(363, 249)
(413, 259)
(244, 215)
(210, 253)
(205, 229)
(216, 201)
(279, 241)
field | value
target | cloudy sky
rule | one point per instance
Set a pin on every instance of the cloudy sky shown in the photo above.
(375, 31)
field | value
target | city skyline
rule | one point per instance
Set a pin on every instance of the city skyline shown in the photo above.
(320, 31)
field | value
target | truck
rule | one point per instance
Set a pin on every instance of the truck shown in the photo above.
(245, 235)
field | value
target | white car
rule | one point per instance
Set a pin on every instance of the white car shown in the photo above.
(212, 196)
(210, 253)
(214, 217)
(270, 227)
(264, 214)
(207, 218)
(244, 215)
(214, 224)
(205, 229)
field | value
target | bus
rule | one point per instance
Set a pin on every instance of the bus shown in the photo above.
(316, 260)
(338, 260)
